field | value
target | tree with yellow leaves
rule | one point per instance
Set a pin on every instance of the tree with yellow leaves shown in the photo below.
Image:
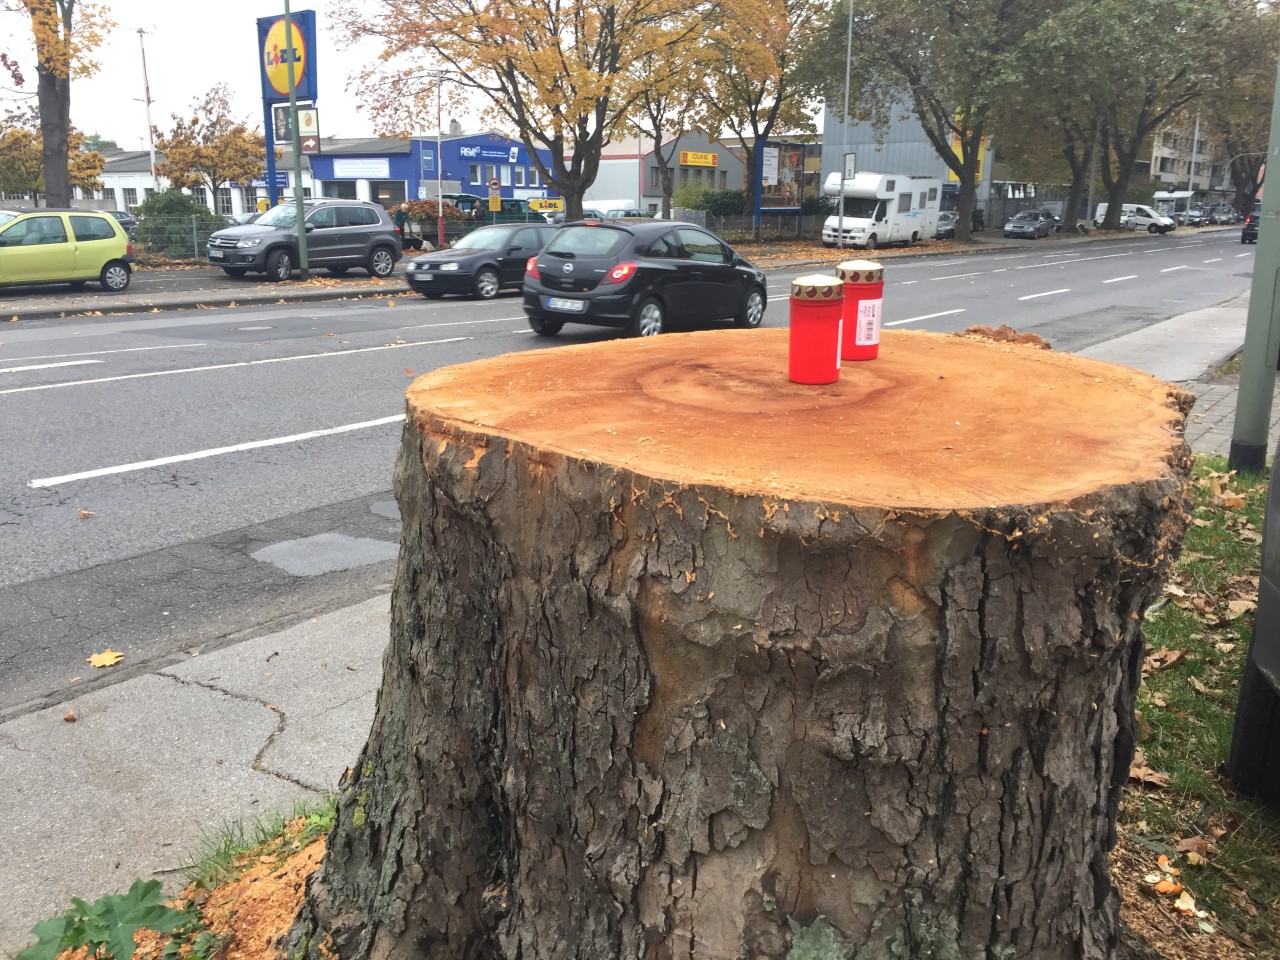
(66, 32)
(210, 148)
(21, 149)
(752, 88)
(556, 71)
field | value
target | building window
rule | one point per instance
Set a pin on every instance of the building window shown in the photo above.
(109, 193)
(475, 173)
(200, 195)
(535, 178)
(654, 180)
(150, 192)
(493, 172)
(505, 172)
(130, 197)
(224, 201)
(519, 171)
(250, 199)
(724, 179)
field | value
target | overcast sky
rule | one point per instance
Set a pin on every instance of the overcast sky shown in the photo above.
(191, 47)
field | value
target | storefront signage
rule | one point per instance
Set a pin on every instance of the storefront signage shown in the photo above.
(361, 168)
(688, 158)
(275, 53)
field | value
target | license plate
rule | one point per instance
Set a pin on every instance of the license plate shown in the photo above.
(215, 254)
(564, 305)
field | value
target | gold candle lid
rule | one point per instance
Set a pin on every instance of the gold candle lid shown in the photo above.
(817, 286)
(860, 271)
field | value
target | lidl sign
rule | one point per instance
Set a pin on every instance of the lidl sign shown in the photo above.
(279, 45)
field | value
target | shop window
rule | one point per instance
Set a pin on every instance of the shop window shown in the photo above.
(387, 193)
(338, 189)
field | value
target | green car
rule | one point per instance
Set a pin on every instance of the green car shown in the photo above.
(64, 246)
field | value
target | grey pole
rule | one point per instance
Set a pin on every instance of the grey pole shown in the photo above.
(300, 216)
(1262, 329)
(844, 128)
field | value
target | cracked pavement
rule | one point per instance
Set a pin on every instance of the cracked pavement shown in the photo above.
(152, 766)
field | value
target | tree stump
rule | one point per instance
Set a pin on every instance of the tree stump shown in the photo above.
(688, 661)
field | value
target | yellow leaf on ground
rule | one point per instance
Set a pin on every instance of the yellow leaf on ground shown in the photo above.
(1237, 608)
(107, 658)
(1185, 904)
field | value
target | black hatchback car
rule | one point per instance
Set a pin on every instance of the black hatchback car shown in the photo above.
(1249, 232)
(480, 263)
(638, 275)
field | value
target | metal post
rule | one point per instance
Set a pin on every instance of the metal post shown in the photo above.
(146, 87)
(1262, 329)
(844, 128)
(195, 236)
(439, 166)
(300, 216)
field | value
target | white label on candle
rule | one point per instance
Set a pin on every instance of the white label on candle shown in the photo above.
(868, 331)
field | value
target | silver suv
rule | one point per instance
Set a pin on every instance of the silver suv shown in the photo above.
(340, 234)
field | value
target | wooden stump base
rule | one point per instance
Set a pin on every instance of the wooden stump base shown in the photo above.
(688, 661)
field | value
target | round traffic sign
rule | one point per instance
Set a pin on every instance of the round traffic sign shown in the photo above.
(494, 184)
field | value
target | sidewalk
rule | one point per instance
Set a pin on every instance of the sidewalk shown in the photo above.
(152, 764)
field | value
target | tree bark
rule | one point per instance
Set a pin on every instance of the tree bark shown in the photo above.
(688, 661)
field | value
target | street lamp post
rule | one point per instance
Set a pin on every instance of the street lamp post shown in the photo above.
(439, 165)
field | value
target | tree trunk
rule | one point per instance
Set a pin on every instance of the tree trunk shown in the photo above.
(688, 661)
(53, 93)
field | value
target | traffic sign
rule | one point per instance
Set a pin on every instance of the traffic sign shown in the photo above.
(494, 184)
(309, 130)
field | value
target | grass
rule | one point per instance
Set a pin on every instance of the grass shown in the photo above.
(223, 853)
(1202, 633)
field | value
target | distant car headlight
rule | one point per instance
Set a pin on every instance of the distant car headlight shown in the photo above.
(451, 265)
(250, 242)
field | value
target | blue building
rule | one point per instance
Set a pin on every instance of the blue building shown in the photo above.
(389, 171)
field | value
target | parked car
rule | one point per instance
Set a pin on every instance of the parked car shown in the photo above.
(638, 275)
(1028, 223)
(1223, 216)
(1055, 221)
(588, 213)
(340, 234)
(946, 229)
(1249, 232)
(1193, 217)
(481, 263)
(64, 246)
(239, 218)
(127, 219)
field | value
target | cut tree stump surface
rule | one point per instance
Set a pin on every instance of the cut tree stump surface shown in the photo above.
(938, 421)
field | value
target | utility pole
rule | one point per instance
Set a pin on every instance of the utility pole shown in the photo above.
(146, 87)
(301, 215)
(1250, 433)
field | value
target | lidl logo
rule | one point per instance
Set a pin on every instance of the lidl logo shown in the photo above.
(277, 53)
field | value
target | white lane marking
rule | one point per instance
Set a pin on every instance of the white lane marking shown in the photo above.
(927, 316)
(1058, 263)
(214, 452)
(47, 366)
(1239, 255)
(460, 323)
(1047, 293)
(1132, 276)
(957, 276)
(98, 353)
(1214, 260)
(907, 283)
(231, 366)
(1171, 269)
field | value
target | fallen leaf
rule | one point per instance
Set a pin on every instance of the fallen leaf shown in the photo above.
(85, 514)
(1185, 904)
(408, 372)
(1197, 845)
(107, 658)
(1237, 608)
(1168, 887)
(1206, 927)
(1200, 688)
(70, 716)
(1161, 659)
(392, 303)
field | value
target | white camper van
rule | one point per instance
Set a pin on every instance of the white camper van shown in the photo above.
(880, 208)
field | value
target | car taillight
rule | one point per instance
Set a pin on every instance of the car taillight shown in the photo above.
(621, 273)
(128, 248)
(531, 269)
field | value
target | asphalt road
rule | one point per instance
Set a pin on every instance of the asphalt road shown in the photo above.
(150, 459)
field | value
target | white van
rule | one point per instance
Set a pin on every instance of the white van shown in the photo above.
(880, 208)
(1137, 216)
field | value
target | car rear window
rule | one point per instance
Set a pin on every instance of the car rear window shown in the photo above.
(584, 241)
(91, 228)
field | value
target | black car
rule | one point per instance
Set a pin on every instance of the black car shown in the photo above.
(481, 263)
(127, 219)
(946, 229)
(637, 275)
(1249, 232)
